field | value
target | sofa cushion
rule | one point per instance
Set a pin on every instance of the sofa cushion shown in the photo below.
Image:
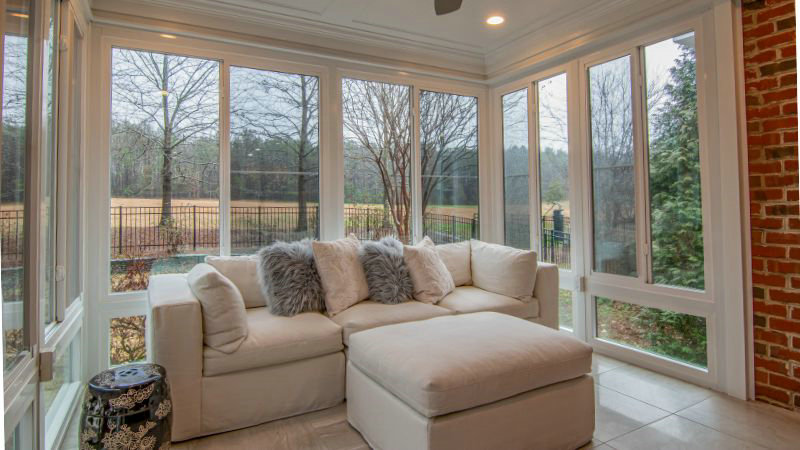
(503, 270)
(224, 316)
(243, 273)
(340, 270)
(456, 257)
(276, 340)
(369, 314)
(469, 299)
(289, 278)
(454, 363)
(431, 279)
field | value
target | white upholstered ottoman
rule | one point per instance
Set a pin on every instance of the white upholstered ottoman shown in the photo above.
(472, 381)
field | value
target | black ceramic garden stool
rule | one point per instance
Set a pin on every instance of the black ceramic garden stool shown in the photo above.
(127, 407)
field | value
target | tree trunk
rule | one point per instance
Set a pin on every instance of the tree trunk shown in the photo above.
(302, 215)
(166, 147)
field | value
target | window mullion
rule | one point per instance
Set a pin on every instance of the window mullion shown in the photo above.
(640, 160)
(416, 169)
(534, 194)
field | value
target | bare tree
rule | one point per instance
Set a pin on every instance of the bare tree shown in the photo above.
(449, 139)
(283, 107)
(377, 119)
(169, 100)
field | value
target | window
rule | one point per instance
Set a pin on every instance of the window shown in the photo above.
(516, 187)
(555, 237)
(48, 169)
(565, 318)
(127, 340)
(677, 336)
(59, 391)
(377, 159)
(676, 218)
(613, 177)
(449, 143)
(164, 215)
(16, 94)
(73, 170)
(274, 158)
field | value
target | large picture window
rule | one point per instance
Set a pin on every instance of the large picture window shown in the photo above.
(613, 175)
(449, 145)
(274, 158)
(377, 159)
(164, 215)
(516, 177)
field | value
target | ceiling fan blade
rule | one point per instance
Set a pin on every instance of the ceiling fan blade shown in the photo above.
(446, 6)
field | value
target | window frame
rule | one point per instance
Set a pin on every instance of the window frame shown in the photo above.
(640, 290)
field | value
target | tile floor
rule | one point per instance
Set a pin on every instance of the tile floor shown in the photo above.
(635, 409)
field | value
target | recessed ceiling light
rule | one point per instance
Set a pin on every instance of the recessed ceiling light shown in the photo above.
(169, 36)
(20, 15)
(495, 20)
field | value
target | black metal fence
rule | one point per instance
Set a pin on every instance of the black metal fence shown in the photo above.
(11, 236)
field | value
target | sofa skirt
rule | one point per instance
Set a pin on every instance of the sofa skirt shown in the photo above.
(243, 399)
(559, 416)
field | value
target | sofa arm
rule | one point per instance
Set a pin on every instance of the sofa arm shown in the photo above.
(176, 336)
(546, 291)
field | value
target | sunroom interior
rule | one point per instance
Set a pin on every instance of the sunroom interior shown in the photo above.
(648, 149)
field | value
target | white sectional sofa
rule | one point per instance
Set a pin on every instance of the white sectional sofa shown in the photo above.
(290, 365)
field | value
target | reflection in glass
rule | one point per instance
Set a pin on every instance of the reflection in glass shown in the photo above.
(516, 187)
(377, 159)
(554, 171)
(677, 336)
(127, 340)
(449, 144)
(676, 218)
(164, 215)
(613, 179)
(15, 124)
(274, 158)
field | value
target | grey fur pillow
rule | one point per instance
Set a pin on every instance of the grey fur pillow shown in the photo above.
(388, 277)
(289, 279)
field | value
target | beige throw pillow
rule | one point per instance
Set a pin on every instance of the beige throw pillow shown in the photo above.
(456, 257)
(431, 279)
(503, 270)
(243, 273)
(341, 273)
(224, 317)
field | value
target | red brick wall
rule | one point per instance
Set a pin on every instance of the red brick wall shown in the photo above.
(770, 83)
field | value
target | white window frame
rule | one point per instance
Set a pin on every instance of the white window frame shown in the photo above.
(102, 304)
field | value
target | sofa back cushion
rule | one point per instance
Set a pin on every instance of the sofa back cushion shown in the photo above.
(243, 273)
(224, 316)
(431, 279)
(456, 257)
(341, 273)
(503, 270)
(289, 278)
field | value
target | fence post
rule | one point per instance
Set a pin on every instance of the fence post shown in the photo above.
(119, 235)
(258, 229)
(194, 227)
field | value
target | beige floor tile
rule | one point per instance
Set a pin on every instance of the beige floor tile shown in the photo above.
(658, 390)
(602, 363)
(754, 422)
(595, 444)
(675, 432)
(617, 414)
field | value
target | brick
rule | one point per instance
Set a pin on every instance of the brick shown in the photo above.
(785, 24)
(790, 165)
(789, 109)
(764, 139)
(777, 124)
(789, 326)
(796, 313)
(784, 382)
(792, 195)
(782, 210)
(783, 238)
(762, 84)
(780, 181)
(768, 223)
(771, 337)
(794, 253)
(783, 267)
(764, 29)
(779, 295)
(775, 40)
(772, 393)
(762, 377)
(789, 136)
(771, 365)
(784, 353)
(774, 309)
(786, 94)
(760, 348)
(771, 13)
(781, 152)
(766, 194)
(796, 344)
(769, 251)
(788, 80)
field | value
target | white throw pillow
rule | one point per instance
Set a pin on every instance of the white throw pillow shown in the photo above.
(431, 279)
(243, 273)
(224, 317)
(504, 270)
(342, 275)
(457, 259)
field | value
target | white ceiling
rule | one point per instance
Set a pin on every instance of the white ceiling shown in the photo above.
(461, 40)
